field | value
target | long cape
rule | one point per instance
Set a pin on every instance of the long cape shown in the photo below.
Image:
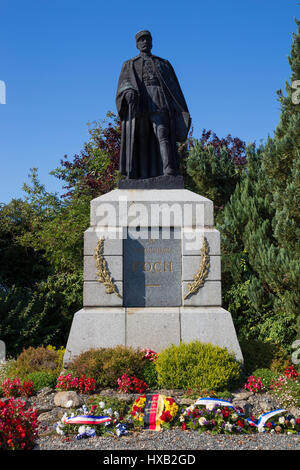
(131, 79)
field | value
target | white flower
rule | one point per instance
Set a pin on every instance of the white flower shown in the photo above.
(228, 427)
(210, 406)
(181, 419)
(202, 421)
(116, 414)
(82, 429)
(281, 420)
(191, 408)
(293, 422)
(69, 404)
(59, 429)
(109, 411)
(101, 404)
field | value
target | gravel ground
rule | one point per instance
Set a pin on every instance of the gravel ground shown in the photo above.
(174, 439)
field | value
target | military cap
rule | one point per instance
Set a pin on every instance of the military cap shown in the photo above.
(142, 33)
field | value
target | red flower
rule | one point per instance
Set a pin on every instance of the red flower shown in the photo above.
(226, 412)
(183, 426)
(166, 416)
(241, 423)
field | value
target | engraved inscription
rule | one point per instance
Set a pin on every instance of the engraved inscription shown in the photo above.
(152, 271)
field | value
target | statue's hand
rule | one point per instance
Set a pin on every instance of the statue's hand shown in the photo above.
(130, 97)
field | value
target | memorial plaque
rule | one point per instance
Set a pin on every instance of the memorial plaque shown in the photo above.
(152, 268)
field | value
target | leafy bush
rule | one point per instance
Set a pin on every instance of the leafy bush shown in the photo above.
(266, 376)
(150, 374)
(18, 426)
(106, 365)
(99, 404)
(260, 355)
(195, 364)
(38, 359)
(42, 379)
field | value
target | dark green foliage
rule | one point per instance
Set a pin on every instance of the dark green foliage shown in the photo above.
(121, 406)
(40, 359)
(266, 376)
(42, 379)
(258, 355)
(106, 365)
(149, 374)
(214, 167)
(260, 232)
(192, 365)
(32, 317)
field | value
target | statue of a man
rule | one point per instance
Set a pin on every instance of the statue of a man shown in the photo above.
(153, 113)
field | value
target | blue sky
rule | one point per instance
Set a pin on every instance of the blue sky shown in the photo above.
(60, 61)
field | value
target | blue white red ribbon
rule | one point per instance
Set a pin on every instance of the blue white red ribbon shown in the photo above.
(262, 420)
(216, 402)
(88, 419)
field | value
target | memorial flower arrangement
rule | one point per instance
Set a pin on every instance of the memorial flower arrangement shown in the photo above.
(164, 418)
(137, 411)
(96, 419)
(214, 418)
(282, 424)
(170, 411)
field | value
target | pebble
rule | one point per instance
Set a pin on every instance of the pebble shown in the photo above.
(174, 439)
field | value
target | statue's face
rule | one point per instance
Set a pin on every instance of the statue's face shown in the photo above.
(144, 43)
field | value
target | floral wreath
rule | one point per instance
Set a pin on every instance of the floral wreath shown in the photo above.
(168, 414)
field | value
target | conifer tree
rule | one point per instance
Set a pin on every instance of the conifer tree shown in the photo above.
(261, 229)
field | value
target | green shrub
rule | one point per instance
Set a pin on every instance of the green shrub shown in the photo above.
(106, 365)
(46, 359)
(150, 374)
(266, 376)
(42, 379)
(195, 365)
(260, 355)
(123, 407)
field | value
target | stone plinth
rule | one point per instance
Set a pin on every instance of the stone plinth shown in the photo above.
(152, 249)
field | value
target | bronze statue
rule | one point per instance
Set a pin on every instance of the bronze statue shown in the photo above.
(153, 113)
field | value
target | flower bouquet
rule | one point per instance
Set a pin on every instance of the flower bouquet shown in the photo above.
(216, 416)
(276, 422)
(154, 411)
(103, 421)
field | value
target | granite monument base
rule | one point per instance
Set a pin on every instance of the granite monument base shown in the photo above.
(152, 327)
(142, 254)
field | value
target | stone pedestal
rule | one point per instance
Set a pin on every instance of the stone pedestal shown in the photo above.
(151, 251)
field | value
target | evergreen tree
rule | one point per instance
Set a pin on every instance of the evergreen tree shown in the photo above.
(261, 230)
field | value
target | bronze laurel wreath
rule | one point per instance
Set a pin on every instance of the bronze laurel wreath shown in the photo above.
(202, 273)
(103, 275)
